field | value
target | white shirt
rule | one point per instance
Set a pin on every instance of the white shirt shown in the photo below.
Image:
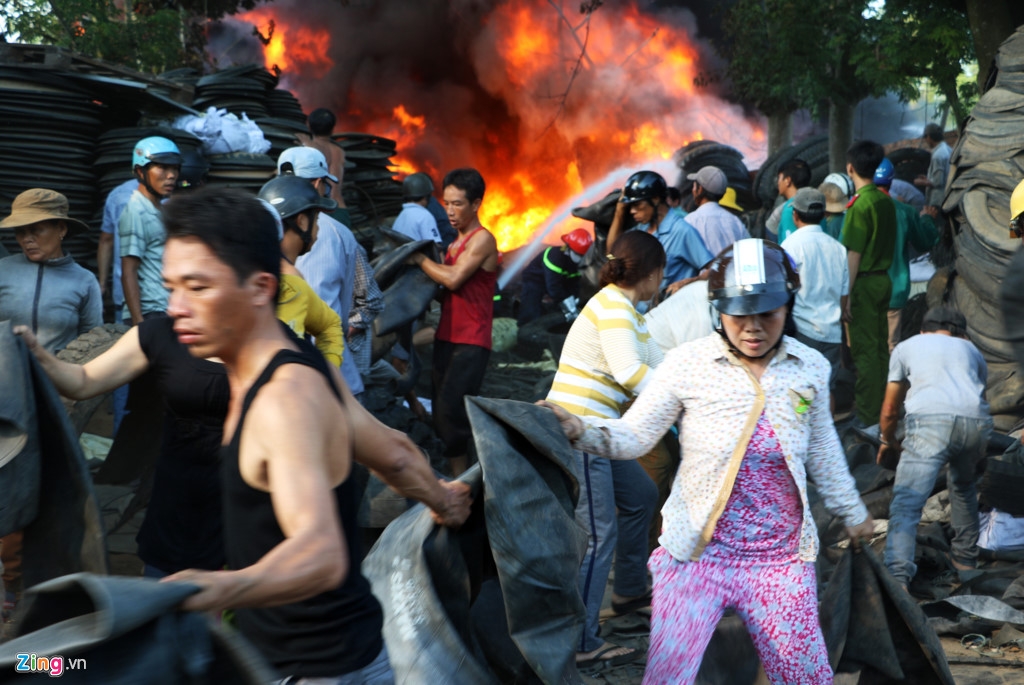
(717, 226)
(417, 222)
(683, 317)
(703, 388)
(824, 279)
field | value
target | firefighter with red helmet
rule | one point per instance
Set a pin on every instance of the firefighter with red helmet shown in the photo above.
(553, 274)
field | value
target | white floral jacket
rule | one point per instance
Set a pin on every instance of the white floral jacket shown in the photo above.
(720, 402)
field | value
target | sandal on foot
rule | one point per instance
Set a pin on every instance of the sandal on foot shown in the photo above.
(632, 605)
(603, 660)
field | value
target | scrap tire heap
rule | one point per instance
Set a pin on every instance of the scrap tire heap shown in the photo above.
(82, 349)
(986, 165)
(695, 156)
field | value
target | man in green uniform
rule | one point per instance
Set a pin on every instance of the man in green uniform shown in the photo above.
(869, 234)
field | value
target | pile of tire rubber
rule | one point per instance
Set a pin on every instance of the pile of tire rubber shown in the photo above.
(986, 165)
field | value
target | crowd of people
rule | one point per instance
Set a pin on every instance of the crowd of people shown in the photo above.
(697, 382)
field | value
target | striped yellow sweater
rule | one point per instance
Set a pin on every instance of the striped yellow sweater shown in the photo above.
(607, 358)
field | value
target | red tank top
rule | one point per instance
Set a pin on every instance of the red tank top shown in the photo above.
(466, 313)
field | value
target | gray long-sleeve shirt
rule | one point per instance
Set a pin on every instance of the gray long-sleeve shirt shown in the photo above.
(57, 299)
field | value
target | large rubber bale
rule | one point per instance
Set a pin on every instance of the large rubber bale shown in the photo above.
(910, 162)
(937, 293)
(695, 156)
(814, 151)
(423, 615)
(388, 266)
(993, 349)
(601, 213)
(1005, 389)
(405, 300)
(872, 626)
(536, 543)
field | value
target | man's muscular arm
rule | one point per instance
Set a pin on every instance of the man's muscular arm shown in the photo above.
(399, 463)
(481, 248)
(289, 441)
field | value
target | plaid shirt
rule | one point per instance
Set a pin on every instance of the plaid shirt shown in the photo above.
(367, 303)
(720, 403)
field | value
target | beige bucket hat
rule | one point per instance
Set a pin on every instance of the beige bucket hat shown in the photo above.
(40, 204)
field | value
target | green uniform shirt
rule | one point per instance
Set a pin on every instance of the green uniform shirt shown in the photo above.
(911, 229)
(870, 228)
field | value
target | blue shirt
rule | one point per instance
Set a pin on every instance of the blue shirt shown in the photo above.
(329, 268)
(417, 222)
(685, 251)
(112, 208)
(141, 229)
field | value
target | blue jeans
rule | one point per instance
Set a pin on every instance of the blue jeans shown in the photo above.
(377, 672)
(595, 512)
(932, 440)
(636, 498)
(604, 485)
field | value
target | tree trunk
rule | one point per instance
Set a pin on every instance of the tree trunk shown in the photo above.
(780, 132)
(992, 22)
(840, 134)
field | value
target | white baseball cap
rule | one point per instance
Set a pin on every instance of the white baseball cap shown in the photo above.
(305, 162)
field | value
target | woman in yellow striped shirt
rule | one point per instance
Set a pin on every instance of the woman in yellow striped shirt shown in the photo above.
(606, 361)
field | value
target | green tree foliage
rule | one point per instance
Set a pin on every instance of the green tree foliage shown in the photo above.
(148, 35)
(930, 39)
(788, 54)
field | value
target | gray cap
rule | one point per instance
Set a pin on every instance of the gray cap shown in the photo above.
(809, 200)
(711, 179)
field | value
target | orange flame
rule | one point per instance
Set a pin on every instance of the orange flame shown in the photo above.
(291, 47)
(616, 89)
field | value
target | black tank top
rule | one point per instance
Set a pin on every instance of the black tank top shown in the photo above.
(325, 636)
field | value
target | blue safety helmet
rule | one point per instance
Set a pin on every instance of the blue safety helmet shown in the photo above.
(884, 173)
(155, 150)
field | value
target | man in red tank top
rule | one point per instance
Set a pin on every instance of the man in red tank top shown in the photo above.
(462, 344)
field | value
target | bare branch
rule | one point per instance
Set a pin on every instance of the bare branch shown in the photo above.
(640, 47)
(587, 9)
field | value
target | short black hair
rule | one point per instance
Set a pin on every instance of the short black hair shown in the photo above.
(813, 216)
(673, 194)
(865, 156)
(468, 181)
(321, 122)
(944, 318)
(797, 171)
(232, 223)
(934, 133)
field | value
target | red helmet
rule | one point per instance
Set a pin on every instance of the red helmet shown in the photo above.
(578, 240)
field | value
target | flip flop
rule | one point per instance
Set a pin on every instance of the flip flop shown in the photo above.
(632, 605)
(600, 661)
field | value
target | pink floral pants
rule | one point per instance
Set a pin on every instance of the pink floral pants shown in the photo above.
(776, 601)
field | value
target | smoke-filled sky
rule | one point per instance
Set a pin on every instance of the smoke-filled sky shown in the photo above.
(483, 84)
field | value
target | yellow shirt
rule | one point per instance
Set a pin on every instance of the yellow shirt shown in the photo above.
(300, 308)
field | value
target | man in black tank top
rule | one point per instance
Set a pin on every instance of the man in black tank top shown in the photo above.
(292, 430)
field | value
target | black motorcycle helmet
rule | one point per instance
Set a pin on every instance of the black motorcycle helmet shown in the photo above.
(644, 185)
(289, 196)
(194, 169)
